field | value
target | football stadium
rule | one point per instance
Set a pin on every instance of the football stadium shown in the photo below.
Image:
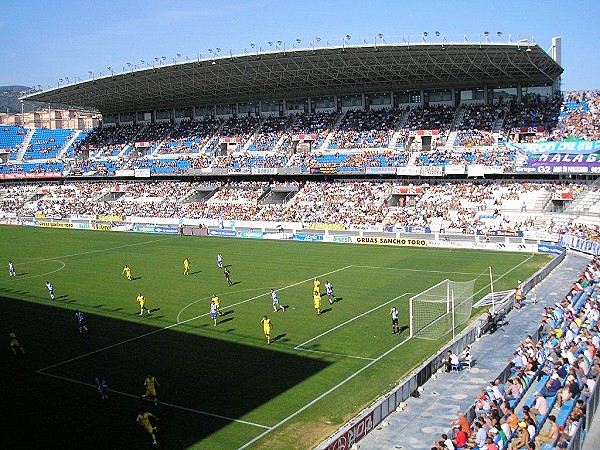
(307, 247)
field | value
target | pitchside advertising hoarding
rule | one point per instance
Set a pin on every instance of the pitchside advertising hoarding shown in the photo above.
(30, 175)
(353, 434)
(581, 244)
(401, 242)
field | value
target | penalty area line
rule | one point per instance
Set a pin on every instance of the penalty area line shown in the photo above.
(298, 347)
(183, 408)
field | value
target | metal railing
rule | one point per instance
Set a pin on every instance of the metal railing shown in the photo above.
(577, 439)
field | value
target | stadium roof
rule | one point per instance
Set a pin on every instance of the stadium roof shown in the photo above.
(348, 69)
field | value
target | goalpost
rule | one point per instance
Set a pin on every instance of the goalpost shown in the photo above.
(440, 309)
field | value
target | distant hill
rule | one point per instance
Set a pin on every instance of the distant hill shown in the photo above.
(9, 100)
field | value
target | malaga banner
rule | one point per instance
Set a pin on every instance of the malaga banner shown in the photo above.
(571, 147)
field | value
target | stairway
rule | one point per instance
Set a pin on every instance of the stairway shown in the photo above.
(328, 139)
(459, 118)
(68, 144)
(279, 142)
(399, 126)
(450, 141)
(253, 135)
(25, 145)
(126, 149)
(212, 138)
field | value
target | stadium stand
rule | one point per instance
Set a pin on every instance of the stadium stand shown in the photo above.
(186, 136)
(318, 123)
(240, 128)
(46, 144)
(563, 357)
(467, 208)
(11, 138)
(270, 132)
(471, 135)
(365, 129)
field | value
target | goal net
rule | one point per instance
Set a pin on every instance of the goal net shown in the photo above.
(434, 312)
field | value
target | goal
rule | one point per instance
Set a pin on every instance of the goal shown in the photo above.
(440, 309)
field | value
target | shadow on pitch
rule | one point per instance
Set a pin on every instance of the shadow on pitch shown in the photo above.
(195, 272)
(136, 278)
(187, 365)
(22, 274)
(226, 313)
(402, 328)
(325, 310)
(279, 336)
(234, 283)
(226, 320)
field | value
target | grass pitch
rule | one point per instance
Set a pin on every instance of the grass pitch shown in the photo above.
(220, 387)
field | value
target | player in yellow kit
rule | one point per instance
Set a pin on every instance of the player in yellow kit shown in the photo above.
(14, 344)
(127, 272)
(143, 419)
(317, 302)
(150, 383)
(316, 287)
(267, 327)
(142, 301)
(186, 266)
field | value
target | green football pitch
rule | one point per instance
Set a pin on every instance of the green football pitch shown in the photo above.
(221, 387)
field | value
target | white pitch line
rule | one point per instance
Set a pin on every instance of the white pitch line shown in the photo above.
(94, 251)
(179, 323)
(63, 265)
(312, 402)
(415, 270)
(333, 354)
(268, 293)
(209, 297)
(350, 320)
(204, 413)
(324, 394)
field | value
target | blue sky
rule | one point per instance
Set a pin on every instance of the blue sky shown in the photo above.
(42, 41)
